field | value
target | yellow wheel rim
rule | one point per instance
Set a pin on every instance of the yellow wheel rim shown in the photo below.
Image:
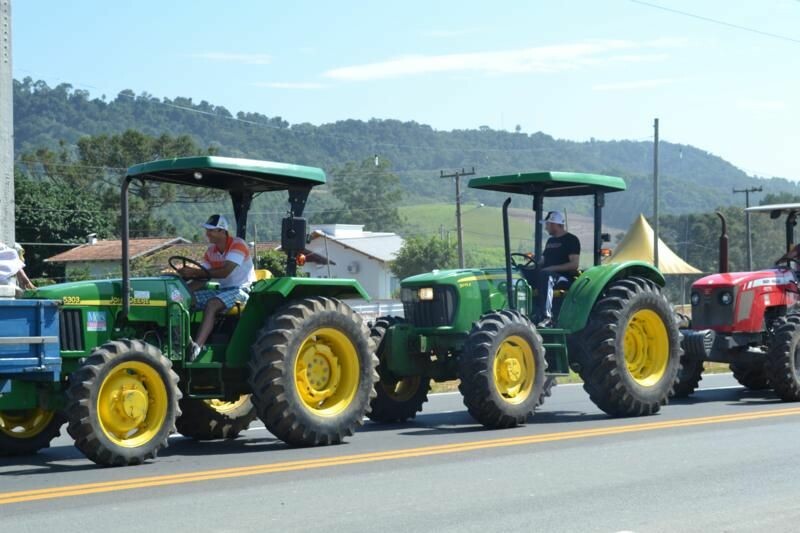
(403, 389)
(326, 372)
(646, 346)
(26, 423)
(132, 404)
(225, 408)
(514, 369)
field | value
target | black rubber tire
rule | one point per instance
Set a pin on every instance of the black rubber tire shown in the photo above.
(599, 348)
(689, 377)
(547, 389)
(85, 425)
(276, 394)
(397, 399)
(751, 375)
(14, 445)
(478, 385)
(203, 420)
(782, 365)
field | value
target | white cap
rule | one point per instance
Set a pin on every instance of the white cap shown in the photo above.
(216, 222)
(556, 217)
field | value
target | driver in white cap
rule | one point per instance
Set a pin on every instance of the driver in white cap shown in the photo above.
(561, 258)
(228, 261)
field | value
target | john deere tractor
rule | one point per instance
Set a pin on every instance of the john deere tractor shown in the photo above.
(294, 355)
(612, 326)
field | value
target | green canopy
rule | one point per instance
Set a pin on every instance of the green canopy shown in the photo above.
(550, 183)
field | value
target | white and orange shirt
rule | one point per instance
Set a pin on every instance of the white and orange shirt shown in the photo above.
(236, 251)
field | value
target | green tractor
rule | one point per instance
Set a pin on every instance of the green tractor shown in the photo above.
(613, 327)
(295, 356)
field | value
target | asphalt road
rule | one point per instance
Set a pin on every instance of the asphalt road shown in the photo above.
(725, 460)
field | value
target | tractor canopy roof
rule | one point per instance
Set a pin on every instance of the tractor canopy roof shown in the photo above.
(550, 183)
(775, 210)
(229, 174)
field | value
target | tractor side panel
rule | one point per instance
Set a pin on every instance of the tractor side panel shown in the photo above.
(586, 290)
(267, 295)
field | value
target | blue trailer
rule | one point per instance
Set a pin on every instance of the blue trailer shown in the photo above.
(30, 362)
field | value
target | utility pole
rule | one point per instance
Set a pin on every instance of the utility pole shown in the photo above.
(655, 195)
(457, 175)
(747, 223)
(6, 128)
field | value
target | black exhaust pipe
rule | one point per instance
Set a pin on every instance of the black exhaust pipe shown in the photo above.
(507, 244)
(723, 245)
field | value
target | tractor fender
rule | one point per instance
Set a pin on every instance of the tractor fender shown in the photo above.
(586, 290)
(267, 295)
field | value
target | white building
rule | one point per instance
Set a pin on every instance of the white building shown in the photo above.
(358, 254)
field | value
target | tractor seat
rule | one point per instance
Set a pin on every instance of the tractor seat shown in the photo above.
(563, 283)
(238, 307)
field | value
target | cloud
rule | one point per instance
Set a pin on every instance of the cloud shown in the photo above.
(634, 85)
(225, 57)
(761, 105)
(289, 85)
(543, 59)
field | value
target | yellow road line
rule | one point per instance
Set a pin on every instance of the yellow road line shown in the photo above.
(307, 464)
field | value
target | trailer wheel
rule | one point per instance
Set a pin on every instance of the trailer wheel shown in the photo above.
(26, 431)
(397, 398)
(122, 403)
(782, 365)
(215, 419)
(501, 369)
(689, 377)
(751, 375)
(630, 351)
(312, 372)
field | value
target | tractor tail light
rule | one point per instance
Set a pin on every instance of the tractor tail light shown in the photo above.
(301, 259)
(605, 252)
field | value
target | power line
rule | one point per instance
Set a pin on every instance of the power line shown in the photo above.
(716, 21)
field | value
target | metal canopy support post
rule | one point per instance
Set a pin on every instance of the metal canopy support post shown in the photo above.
(290, 239)
(241, 206)
(538, 203)
(512, 304)
(126, 266)
(599, 203)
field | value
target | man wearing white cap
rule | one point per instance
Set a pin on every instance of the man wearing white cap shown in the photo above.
(228, 261)
(561, 259)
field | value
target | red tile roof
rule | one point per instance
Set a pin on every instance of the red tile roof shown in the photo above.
(111, 250)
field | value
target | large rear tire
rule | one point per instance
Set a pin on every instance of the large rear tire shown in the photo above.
(313, 372)
(397, 398)
(630, 351)
(26, 431)
(782, 365)
(751, 375)
(501, 369)
(215, 419)
(122, 403)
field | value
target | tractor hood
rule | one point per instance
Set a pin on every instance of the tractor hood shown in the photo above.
(771, 277)
(451, 277)
(145, 292)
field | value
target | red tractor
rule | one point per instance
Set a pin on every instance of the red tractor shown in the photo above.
(750, 320)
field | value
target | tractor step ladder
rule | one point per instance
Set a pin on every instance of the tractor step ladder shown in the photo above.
(555, 349)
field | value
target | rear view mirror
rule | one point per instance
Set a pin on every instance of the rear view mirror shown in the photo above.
(605, 237)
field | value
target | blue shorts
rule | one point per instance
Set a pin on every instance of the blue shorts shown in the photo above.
(228, 296)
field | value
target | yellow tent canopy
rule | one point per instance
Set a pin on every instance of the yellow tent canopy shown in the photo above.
(638, 246)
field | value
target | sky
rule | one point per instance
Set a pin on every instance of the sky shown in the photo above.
(721, 75)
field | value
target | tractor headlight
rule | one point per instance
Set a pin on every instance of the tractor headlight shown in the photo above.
(695, 298)
(426, 293)
(407, 295)
(726, 298)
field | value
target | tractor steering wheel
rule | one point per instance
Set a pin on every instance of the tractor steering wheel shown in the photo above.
(172, 261)
(530, 261)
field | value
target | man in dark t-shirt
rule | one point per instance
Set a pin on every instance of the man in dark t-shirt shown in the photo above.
(561, 259)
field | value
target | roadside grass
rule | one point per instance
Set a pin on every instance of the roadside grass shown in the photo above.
(452, 385)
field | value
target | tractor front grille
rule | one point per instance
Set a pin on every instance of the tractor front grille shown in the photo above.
(709, 311)
(71, 334)
(437, 312)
